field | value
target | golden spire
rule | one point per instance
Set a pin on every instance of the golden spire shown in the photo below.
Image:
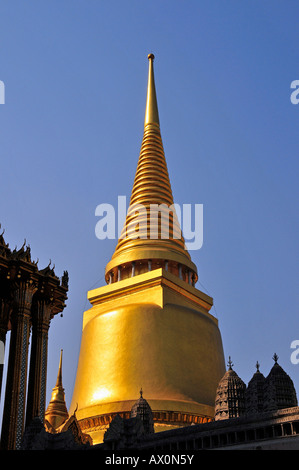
(59, 375)
(151, 110)
(151, 325)
(57, 413)
(138, 242)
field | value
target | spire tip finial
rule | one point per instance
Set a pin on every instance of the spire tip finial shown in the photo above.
(151, 111)
(59, 375)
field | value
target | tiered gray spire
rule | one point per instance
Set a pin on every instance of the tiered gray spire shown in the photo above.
(234, 399)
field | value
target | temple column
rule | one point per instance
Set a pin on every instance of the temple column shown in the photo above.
(6, 303)
(2, 352)
(5, 308)
(15, 395)
(3, 332)
(36, 400)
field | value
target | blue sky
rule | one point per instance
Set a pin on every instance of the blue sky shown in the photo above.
(75, 75)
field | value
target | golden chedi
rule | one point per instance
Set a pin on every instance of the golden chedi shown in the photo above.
(149, 326)
(56, 413)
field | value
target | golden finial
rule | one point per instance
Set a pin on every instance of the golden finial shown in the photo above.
(151, 111)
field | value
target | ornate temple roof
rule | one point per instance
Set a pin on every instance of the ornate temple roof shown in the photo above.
(279, 389)
(275, 392)
(230, 395)
(142, 409)
(255, 392)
